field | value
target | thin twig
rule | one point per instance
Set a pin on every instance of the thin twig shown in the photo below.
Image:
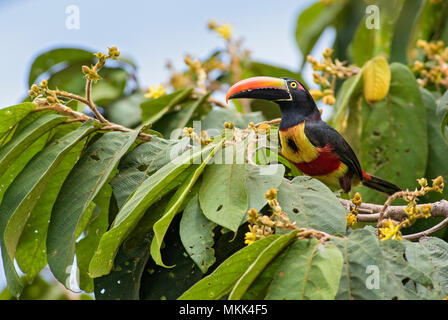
(427, 232)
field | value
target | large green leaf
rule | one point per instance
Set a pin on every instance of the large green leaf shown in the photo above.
(221, 281)
(214, 121)
(31, 254)
(98, 224)
(362, 257)
(313, 21)
(154, 109)
(143, 161)
(442, 107)
(169, 283)
(161, 226)
(23, 194)
(196, 233)
(44, 62)
(429, 256)
(310, 270)
(262, 261)
(349, 90)
(369, 40)
(395, 129)
(222, 195)
(259, 180)
(10, 117)
(405, 30)
(437, 145)
(79, 189)
(134, 208)
(310, 204)
(123, 283)
(22, 140)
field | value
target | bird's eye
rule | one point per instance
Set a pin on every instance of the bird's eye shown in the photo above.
(293, 85)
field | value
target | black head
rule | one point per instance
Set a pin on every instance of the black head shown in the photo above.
(295, 101)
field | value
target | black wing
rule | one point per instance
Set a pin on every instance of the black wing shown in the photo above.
(320, 134)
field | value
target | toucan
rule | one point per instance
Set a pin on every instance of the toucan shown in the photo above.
(309, 143)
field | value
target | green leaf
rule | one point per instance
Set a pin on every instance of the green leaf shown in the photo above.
(196, 233)
(310, 270)
(86, 247)
(85, 181)
(360, 251)
(310, 204)
(126, 111)
(173, 122)
(399, 270)
(350, 88)
(123, 283)
(437, 145)
(430, 256)
(10, 117)
(443, 107)
(23, 194)
(21, 141)
(31, 253)
(214, 121)
(262, 261)
(222, 195)
(154, 109)
(134, 208)
(370, 41)
(313, 21)
(161, 226)
(44, 62)
(259, 180)
(169, 283)
(221, 281)
(404, 30)
(395, 129)
(143, 161)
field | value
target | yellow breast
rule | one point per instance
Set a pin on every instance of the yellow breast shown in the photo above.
(305, 152)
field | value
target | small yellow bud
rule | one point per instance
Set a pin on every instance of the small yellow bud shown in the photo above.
(271, 194)
(264, 128)
(329, 100)
(228, 125)
(422, 182)
(357, 199)
(316, 94)
(43, 84)
(86, 70)
(438, 184)
(426, 210)
(351, 219)
(113, 52)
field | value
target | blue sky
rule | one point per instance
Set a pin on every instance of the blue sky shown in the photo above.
(151, 32)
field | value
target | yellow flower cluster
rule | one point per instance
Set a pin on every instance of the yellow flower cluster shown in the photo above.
(326, 73)
(224, 30)
(155, 91)
(351, 216)
(435, 69)
(389, 231)
(261, 226)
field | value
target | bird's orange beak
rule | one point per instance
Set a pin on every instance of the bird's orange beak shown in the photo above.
(266, 88)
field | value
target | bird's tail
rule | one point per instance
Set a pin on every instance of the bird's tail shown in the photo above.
(379, 184)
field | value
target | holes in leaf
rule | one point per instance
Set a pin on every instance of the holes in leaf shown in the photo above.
(142, 167)
(219, 208)
(95, 157)
(295, 210)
